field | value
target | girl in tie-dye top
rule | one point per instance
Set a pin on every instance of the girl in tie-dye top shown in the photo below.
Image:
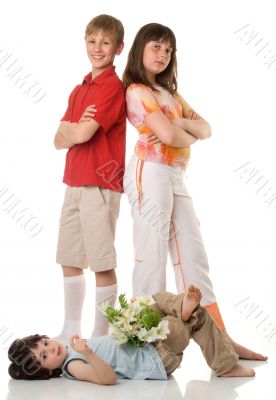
(141, 101)
(164, 220)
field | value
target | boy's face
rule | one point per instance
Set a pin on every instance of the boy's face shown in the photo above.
(101, 51)
(50, 353)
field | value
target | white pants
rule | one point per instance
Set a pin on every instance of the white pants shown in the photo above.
(164, 221)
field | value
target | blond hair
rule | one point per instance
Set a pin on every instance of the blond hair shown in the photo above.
(109, 25)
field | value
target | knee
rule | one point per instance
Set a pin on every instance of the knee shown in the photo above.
(178, 338)
(71, 271)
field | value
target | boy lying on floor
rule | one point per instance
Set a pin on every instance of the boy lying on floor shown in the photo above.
(101, 360)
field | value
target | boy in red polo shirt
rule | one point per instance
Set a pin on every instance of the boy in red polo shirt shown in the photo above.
(94, 170)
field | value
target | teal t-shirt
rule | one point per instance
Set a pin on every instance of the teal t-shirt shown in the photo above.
(126, 361)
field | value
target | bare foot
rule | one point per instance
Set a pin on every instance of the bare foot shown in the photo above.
(245, 353)
(239, 370)
(191, 299)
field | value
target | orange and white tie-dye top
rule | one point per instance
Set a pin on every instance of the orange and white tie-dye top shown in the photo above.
(141, 101)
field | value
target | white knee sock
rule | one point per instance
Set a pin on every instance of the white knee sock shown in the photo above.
(104, 293)
(74, 294)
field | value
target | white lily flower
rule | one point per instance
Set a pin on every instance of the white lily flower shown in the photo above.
(159, 332)
(128, 328)
(162, 329)
(145, 300)
(152, 335)
(135, 307)
(117, 334)
(129, 314)
(143, 334)
(125, 320)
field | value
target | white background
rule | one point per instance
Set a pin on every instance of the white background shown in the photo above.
(219, 75)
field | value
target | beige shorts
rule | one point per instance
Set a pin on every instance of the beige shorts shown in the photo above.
(87, 228)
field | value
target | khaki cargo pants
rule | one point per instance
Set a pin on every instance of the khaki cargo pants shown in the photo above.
(215, 346)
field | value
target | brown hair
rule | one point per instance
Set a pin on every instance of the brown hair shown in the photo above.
(135, 71)
(108, 24)
(24, 364)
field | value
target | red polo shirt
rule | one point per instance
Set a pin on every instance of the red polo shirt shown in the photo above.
(101, 160)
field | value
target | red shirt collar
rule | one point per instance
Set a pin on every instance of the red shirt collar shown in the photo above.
(100, 78)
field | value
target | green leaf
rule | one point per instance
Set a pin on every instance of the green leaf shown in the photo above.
(134, 341)
(149, 318)
(112, 314)
(122, 301)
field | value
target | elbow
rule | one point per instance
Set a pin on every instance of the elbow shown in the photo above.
(169, 141)
(57, 147)
(206, 132)
(58, 141)
(169, 138)
(111, 380)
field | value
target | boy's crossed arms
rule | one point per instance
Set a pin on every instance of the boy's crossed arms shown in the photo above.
(71, 133)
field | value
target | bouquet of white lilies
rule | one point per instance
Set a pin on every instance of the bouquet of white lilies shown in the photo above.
(136, 323)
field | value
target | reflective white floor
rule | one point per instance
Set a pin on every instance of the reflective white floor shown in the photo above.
(193, 381)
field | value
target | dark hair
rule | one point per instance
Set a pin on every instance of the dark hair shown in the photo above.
(24, 364)
(108, 24)
(135, 71)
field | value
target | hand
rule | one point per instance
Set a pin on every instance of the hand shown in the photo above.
(182, 122)
(153, 139)
(80, 345)
(193, 115)
(88, 113)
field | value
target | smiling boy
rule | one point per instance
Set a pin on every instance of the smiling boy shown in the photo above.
(93, 129)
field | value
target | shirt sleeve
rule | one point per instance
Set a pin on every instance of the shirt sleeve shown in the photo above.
(186, 108)
(141, 102)
(68, 113)
(65, 366)
(111, 104)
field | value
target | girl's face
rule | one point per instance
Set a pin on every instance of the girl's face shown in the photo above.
(50, 353)
(156, 58)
